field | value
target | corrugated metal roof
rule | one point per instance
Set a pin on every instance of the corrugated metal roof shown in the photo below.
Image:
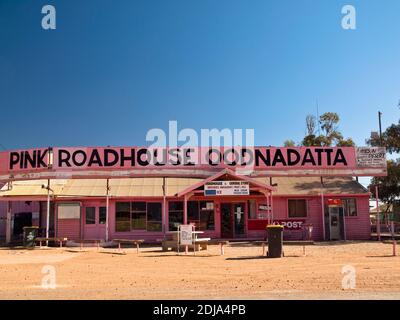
(176, 185)
(152, 187)
(132, 187)
(312, 185)
(31, 188)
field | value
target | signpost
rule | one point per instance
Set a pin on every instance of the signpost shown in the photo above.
(227, 188)
(185, 236)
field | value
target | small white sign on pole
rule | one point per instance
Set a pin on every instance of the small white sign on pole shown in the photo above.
(374, 157)
(186, 234)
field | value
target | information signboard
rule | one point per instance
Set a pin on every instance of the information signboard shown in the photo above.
(226, 188)
(186, 234)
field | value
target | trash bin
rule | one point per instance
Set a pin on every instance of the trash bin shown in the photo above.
(30, 233)
(275, 241)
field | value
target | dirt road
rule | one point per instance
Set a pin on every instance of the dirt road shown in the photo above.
(240, 274)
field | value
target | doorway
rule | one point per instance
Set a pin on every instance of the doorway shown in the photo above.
(335, 222)
(21, 220)
(94, 221)
(233, 220)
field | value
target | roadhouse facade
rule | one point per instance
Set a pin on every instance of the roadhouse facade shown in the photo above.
(117, 193)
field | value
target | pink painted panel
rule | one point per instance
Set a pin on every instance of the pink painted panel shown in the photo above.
(17, 207)
(69, 228)
(31, 163)
(359, 227)
(271, 158)
(96, 230)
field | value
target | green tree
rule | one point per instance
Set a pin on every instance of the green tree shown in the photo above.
(289, 143)
(390, 139)
(331, 135)
(389, 186)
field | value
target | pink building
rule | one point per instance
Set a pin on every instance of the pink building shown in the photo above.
(148, 207)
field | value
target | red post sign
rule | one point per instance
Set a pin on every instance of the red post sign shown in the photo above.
(334, 202)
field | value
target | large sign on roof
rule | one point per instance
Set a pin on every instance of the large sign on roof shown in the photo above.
(113, 162)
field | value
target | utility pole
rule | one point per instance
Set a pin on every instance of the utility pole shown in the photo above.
(378, 222)
(380, 128)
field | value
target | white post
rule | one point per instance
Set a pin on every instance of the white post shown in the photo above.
(107, 205)
(48, 212)
(323, 208)
(393, 237)
(378, 219)
(164, 211)
(8, 223)
(272, 208)
(268, 209)
(344, 225)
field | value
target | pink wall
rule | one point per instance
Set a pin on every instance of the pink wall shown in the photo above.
(357, 228)
(69, 228)
(17, 207)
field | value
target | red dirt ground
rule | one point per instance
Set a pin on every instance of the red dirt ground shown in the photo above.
(240, 274)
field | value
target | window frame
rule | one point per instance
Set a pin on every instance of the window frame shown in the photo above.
(94, 217)
(169, 212)
(199, 211)
(296, 199)
(131, 212)
(99, 209)
(346, 206)
(116, 212)
(140, 212)
(208, 210)
(147, 219)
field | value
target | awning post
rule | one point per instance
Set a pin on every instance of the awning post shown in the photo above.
(185, 209)
(268, 207)
(378, 219)
(323, 209)
(48, 212)
(164, 211)
(8, 224)
(272, 208)
(107, 206)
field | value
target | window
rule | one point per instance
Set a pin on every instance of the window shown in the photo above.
(90, 214)
(251, 204)
(154, 216)
(175, 215)
(123, 216)
(138, 216)
(207, 215)
(102, 215)
(193, 213)
(350, 207)
(69, 211)
(201, 214)
(297, 208)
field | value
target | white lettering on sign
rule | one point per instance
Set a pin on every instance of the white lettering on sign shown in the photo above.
(289, 224)
(186, 234)
(227, 188)
(264, 207)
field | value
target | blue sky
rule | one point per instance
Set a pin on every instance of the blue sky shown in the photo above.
(114, 69)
